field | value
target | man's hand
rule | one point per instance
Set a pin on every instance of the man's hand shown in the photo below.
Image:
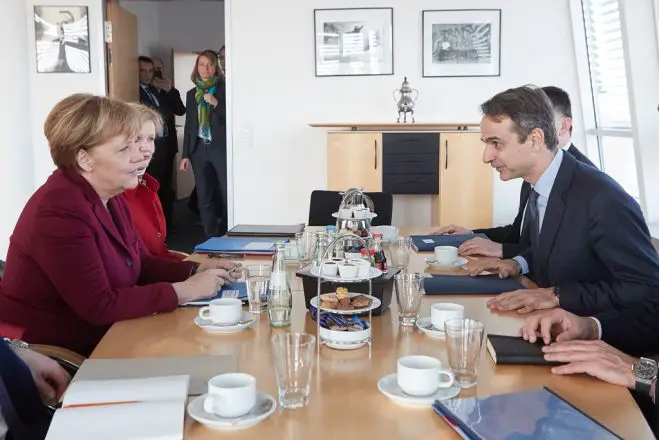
(163, 84)
(595, 358)
(559, 324)
(49, 377)
(451, 230)
(524, 300)
(505, 268)
(481, 246)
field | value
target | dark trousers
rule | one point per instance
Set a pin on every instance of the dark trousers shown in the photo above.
(209, 163)
(162, 169)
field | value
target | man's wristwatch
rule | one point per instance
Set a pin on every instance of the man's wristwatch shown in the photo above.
(645, 371)
(16, 344)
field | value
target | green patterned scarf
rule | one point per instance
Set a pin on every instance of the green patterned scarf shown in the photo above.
(204, 108)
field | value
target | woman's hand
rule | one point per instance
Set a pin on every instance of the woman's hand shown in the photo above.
(210, 99)
(184, 165)
(203, 284)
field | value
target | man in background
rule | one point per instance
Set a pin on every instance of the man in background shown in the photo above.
(157, 92)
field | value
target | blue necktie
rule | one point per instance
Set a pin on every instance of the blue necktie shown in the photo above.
(532, 219)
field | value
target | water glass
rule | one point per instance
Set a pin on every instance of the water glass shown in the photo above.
(400, 250)
(293, 355)
(464, 339)
(409, 291)
(257, 279)
(306, 243)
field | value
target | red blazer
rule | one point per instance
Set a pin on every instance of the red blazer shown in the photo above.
(148, 218)
(74, 268)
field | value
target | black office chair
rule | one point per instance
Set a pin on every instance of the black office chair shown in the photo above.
(325, 203)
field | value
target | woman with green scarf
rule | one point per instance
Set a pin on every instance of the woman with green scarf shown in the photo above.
(204, 143)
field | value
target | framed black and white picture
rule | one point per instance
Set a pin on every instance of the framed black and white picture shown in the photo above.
(462, 42)
(62, 39)
(353, 42)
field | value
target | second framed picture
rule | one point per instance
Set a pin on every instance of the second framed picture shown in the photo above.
(354, 42)
(462, 43)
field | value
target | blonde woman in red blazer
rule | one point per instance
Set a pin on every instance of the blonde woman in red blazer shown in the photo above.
(75, 263)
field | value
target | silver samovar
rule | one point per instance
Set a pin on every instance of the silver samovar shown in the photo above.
(405, 100)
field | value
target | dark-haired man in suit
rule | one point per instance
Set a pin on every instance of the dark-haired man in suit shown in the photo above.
(157, 92)
(590, 248)
(504, 241)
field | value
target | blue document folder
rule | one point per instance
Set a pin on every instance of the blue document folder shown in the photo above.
(238, 245)
(237, 289)
(466, 285)
(427, 243)
(538, 414)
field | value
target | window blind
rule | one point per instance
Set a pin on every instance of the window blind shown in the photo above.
(606, 60)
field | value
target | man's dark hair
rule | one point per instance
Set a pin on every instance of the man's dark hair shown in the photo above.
(144, 59)
(528, 107)
(560, 100)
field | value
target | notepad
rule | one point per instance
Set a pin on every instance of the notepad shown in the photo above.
(525, 415)
(515, 350)
(427, 243)
(237, 289)
(127, 409)
(467, 285)
(266, 230)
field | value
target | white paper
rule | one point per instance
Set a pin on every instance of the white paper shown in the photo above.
(151, 389)
(428, 241)
(137, 421)
(259, 245)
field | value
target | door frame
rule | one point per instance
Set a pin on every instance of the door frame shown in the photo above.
(229, 113)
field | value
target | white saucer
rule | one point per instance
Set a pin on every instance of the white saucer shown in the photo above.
(430, 261)
(246, 321)
(425, 325)
(388, 385)
(265, 406)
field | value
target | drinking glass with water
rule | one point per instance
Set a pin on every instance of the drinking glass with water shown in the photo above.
(464, 339)
(257, 278)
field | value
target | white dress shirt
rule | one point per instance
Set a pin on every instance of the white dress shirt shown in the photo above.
(543, 187)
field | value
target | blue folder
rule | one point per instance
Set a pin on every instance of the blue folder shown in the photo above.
(238, 245)
(237, 289)
(466, 285)
(524, 415)
(427, 243)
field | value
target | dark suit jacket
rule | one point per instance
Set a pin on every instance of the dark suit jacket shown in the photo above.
(509, 235)
(218, 122)
(74, 268)
(16, 380)
(169, 104)
(594, 244)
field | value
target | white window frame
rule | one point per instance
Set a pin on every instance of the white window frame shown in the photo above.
(592, 133)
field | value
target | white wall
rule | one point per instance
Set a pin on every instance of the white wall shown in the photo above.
(182, 25)
(278, 160)
(28, 96)
(16, 174)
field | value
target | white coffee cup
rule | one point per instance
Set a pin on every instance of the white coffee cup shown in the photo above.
(422, 375)
(231, 395)
(363, 266)
(442, 312)
(446, 254)
(225, 311)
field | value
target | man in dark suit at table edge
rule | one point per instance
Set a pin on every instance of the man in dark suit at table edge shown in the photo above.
(590, 250)
(504, 241)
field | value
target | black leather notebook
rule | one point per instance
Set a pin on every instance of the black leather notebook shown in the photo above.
(466, 285)
(266, 230)
(511, 350)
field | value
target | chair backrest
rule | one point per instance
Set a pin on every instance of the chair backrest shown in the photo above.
(324, 203)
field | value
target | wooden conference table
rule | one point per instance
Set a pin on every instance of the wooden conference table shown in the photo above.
(344, 401)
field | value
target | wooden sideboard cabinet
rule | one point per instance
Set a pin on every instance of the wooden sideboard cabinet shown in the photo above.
(443, 161)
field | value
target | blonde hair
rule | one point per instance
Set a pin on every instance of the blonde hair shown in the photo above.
(212, 57)
(83, 121)
(147, 114)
